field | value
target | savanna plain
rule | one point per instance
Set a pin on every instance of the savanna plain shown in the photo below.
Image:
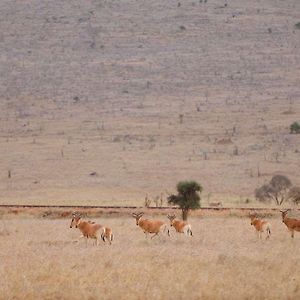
(45, 259)
(103, 102)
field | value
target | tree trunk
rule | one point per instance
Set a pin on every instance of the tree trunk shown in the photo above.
(282, 199)
(185, 213)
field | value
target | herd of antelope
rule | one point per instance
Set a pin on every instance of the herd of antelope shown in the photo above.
(92, 230)
(262, 226)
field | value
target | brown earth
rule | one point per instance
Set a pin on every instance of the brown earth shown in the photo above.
(103, 102)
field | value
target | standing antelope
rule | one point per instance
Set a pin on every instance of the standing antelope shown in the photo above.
(151, 226)
(291, 224)
(87, 228)
(261, 226)
(180, 226)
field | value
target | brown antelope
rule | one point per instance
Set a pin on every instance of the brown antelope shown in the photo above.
(291, 224)
(261, 226)
(151, 226)
(107, 235)
(180, 226)
(87, 228)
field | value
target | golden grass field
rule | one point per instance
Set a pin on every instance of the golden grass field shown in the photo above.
(43, 259)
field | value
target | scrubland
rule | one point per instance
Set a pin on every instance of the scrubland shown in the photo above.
(43, 259)
(102, 102)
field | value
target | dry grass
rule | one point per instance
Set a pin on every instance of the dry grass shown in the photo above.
(40, 259)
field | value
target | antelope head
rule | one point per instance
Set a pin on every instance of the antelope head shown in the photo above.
(171, 218)
(75, 219)
(284, 213)
(137, 217)
(252, 217)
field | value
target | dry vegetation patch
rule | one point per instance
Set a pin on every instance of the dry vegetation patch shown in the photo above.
(42, 259)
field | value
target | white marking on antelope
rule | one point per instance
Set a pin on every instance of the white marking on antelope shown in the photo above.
(107, 235)
(291, 223)
(180, 226)
(151, 226)
(261, 226)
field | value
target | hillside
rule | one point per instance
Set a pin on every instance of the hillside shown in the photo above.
(102, 102)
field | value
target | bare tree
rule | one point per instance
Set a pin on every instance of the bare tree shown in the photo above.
(264, 193)
(147, 202)
(277, 190)
(294, 195)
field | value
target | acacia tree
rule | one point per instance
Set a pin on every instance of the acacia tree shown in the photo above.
(294, 195)
(187, 197)
(277, 190)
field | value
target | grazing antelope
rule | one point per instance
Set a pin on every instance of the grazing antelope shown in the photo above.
(261, 226)
(180, 226)
(107, 235)
(151, 226)
(87, 228)
(291, 224)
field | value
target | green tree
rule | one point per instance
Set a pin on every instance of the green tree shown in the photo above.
(295, 128)
(187, 197)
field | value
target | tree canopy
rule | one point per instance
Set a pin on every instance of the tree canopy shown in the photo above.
(277, 190)
(187, 196)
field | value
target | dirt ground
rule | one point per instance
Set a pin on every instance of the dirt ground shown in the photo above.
(102, 102)
(43, 259)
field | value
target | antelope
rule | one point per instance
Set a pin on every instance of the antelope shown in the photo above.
(291, 224)
(88, 229)
(180, 226)
(107, 235)
(150, 226)
(261, 226)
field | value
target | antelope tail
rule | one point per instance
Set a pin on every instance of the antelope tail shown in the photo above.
(103, 234)
(268, 229)
(166, 229)
(190, 232)
(103, 237)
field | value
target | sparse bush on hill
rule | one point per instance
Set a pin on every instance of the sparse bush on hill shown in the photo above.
(276, 190)
(295, 128)
(297, 25)
(187, 197)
